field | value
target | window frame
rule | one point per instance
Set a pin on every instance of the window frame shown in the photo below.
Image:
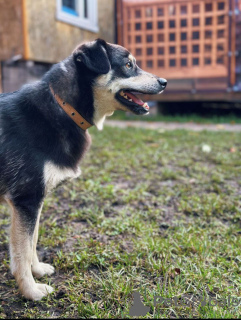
(172, 63)
(149, 51)
(90, 23)
(194, 60)
(138, 26)
(172, 49)
(149, 25)
(160, 63)
(149, 38)
(161, 51)
(183, 64)
(183, 23)
(183, 51)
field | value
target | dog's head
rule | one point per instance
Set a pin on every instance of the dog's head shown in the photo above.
(117, 79)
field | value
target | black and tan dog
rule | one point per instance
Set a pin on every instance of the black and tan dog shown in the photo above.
(43, 137)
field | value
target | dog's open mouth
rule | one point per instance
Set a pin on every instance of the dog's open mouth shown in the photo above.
(130, 100)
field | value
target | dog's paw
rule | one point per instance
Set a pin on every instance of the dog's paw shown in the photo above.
(37, 292)
(41, 269)
(44, 289)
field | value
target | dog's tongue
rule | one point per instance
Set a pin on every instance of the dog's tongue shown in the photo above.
(134, 98)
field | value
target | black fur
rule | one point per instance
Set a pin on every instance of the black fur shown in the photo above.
(34, 129)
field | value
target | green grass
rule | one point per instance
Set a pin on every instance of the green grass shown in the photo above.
(183, 118)
(151, 212)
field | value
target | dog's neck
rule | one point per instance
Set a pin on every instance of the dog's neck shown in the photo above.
(99, 117)
(77, 91)
(71, 112)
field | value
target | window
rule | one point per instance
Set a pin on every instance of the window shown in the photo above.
(183, 62)
(160, 50)
(138, 13)
(129, 27)
(70, 7)
(172, 24)
(160, 24)
(148, 12)
(149, 38)
(149, 25)
(138, 52)
(80, 13)
(183, 22)
(220, 47)
(160, 37)
(195, 35)
(172, 10)
(195, 8)
(160, 12)
(139, 63)
(183, 10)
(208, 21)
(161, 63)
(207, 60)
(172, 62)
(208, 7)
(129, 39)
(172, 50)
(220, 19)
(220, 33)
(195, 61)
(183, 36)
(172, 37)
(149, 51)
(149, 64)
(208, 48)
(183, 49)
(220, 60)
(195, 48)
(221, 6)
(195, 22)
(138, 39)
(138, 26)
(208, 34)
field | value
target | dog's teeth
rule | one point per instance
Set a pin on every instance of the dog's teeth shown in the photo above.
(125, 97)
(145, 105)
(122, 93)
(130, 99)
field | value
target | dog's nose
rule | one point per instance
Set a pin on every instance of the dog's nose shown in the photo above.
(163, 82)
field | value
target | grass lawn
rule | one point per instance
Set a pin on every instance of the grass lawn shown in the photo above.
(196, 118)
(151, 213)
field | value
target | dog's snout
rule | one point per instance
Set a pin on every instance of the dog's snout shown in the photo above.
(163, 82)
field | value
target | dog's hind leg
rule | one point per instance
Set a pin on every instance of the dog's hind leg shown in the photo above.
(39, 269)
(23, 223)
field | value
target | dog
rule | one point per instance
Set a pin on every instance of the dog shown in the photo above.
(43, 137)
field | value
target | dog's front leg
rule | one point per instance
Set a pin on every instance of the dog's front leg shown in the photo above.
(21, 251)
(39, 269)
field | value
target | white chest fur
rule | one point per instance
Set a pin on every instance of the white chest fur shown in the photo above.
(53, 175)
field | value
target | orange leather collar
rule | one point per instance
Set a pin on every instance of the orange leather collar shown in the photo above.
(71, 112)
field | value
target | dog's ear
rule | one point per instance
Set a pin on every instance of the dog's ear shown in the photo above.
(94, 56)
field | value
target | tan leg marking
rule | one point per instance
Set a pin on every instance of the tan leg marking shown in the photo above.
(39, 269)
(21, 252)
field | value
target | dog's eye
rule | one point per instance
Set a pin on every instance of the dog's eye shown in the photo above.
(129, 65)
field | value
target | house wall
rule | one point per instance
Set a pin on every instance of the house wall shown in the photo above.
(11, 32)
(50, 40)
(1, 89)
(20, 72)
